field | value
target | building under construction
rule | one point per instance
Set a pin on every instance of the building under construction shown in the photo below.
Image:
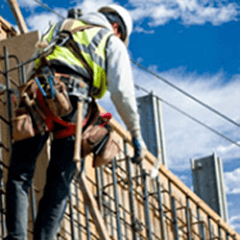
(119, 201)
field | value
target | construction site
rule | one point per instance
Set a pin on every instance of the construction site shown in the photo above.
(119, 201)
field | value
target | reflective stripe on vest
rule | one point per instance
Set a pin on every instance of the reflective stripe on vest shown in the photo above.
(91, 43)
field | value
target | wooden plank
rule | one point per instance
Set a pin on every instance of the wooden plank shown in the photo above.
(18, 15)
(87, 193)
(6, 29)
(93, 207)
(23, 47)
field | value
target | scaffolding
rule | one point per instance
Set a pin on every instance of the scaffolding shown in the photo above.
(131, 204)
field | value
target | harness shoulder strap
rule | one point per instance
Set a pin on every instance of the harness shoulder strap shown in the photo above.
(66, 28)
(68, 23)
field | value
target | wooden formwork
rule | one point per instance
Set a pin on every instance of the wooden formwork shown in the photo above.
(6, 29)
(131, 204)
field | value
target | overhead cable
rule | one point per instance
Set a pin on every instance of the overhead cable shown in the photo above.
(186, 94)
(48, 8)
(189, 116)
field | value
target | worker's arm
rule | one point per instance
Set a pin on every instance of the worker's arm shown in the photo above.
(121, 88)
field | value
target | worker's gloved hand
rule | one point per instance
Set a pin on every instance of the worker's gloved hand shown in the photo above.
(139, 149)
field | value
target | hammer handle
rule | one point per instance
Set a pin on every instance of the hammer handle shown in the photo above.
(78, 133)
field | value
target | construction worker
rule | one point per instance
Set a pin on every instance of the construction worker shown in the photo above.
(103, 48)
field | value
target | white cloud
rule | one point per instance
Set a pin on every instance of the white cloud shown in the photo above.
(228, 149)
(232, 180)
(28, 3)
(234, 222)
(189, 12)
(142, 30)
(214, 15)
(162, 14)
(185, 179)
(42, 21)
(235, 219)
(92, 5)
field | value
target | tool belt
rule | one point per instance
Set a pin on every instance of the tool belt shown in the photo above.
(41, 108)
(39, 101)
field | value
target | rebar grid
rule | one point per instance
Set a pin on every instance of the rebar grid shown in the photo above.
(132, 205)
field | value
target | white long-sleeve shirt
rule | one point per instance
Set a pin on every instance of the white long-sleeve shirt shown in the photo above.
(119, 75)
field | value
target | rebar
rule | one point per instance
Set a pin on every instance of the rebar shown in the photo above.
(160, 206)
(210, 227)
(6, 56)
(71, 216)
(99, 190)
(2, 199)
(87, 222)
(116, 198)
(200, 225)
(174, 218)
(227, 235)
(146, 205)
(188, 220)
(131, 194)
(77, 206)
(219, 231)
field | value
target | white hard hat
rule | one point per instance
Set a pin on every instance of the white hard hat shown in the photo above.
(124, 15)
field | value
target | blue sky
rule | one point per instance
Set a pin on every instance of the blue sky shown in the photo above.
(194, 44)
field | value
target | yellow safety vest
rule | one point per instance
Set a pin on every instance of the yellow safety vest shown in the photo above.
(91, 43)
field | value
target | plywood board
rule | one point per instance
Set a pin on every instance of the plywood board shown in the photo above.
(22, 47)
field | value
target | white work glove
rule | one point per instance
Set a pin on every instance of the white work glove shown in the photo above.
(139, 147)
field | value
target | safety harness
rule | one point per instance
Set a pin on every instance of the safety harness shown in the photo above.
(81, 46)
(50, 100)
(45, 100)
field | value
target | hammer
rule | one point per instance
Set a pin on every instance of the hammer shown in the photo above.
(78, 131)
(78, 90)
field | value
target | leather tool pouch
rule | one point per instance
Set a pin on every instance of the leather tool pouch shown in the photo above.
(105, 151)
(22, 127)
(60, 104)
(97, 138)
(27, 110)
(92, 136)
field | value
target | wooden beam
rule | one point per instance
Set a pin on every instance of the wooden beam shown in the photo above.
(18, 15)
